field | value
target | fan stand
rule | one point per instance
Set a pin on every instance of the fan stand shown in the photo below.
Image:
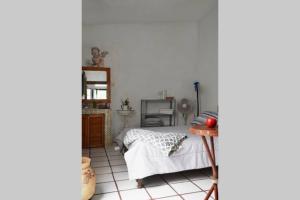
(198, 102)
(185, 117)
(196, 85)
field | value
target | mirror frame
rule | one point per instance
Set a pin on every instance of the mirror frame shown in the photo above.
(107, 70)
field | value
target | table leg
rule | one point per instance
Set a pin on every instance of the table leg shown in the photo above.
(216, 191)
(212, 148)
(210, 192)
(211, 157)
(212, 161)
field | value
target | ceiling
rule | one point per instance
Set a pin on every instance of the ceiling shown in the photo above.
(141, 11)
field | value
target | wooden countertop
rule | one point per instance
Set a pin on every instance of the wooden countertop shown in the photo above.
(202, 130)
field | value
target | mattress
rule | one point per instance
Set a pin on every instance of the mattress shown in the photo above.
(144, 160)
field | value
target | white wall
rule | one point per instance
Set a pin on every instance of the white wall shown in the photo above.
(208, 60)
(146, 58)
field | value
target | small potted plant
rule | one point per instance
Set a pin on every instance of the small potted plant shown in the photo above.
(125, 104)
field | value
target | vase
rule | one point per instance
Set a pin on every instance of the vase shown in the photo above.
(125, 107)
(88, 179)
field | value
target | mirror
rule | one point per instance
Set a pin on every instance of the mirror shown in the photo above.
(95, 75)
(96, 91)
(96, 84)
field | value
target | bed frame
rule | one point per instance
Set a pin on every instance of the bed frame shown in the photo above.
(140, 183)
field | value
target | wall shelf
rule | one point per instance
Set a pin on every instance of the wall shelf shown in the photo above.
(151, 115)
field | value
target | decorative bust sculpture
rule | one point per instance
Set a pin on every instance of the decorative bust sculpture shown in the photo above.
(98, 56)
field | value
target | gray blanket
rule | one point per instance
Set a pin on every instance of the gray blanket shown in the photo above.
(167, 143)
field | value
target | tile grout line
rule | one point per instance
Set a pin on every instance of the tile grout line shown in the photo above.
(179, 181)
(161, 198)
(113, 176)
(202, 190)
(122, 179)
(125, 190)
(112, 173)
(107, 166)
(193, 182)
(170, 186)
(132, 188)
(148, 193)
(106, 161)
(102, 194)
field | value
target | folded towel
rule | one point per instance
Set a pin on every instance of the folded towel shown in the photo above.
(152, 119)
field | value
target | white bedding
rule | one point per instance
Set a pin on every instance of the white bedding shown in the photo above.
(144, 160)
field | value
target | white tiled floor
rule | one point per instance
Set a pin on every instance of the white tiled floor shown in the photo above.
(185, 187)
(117, 162)
(119, 168)
(98, 153)
(102, 178)
(100, 164)
(105, 187)
(195, 175)
(175, 178)
(153, 181)
(112, 180)
(107, 196)
(138, 194)
(115, 157)
(121, 176)
(194, 196)
(161, 191)
(172, 198)
(204, 184)
(97, 159)
(126, 185)
(102, 170)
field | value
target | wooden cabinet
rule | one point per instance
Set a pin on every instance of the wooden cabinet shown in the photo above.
(93, 130)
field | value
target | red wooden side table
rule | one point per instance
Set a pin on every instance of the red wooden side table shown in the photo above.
(204, 132)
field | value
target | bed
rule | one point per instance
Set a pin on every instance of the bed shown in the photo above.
(144, 160)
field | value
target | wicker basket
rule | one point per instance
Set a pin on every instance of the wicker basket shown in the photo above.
(88, 179)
